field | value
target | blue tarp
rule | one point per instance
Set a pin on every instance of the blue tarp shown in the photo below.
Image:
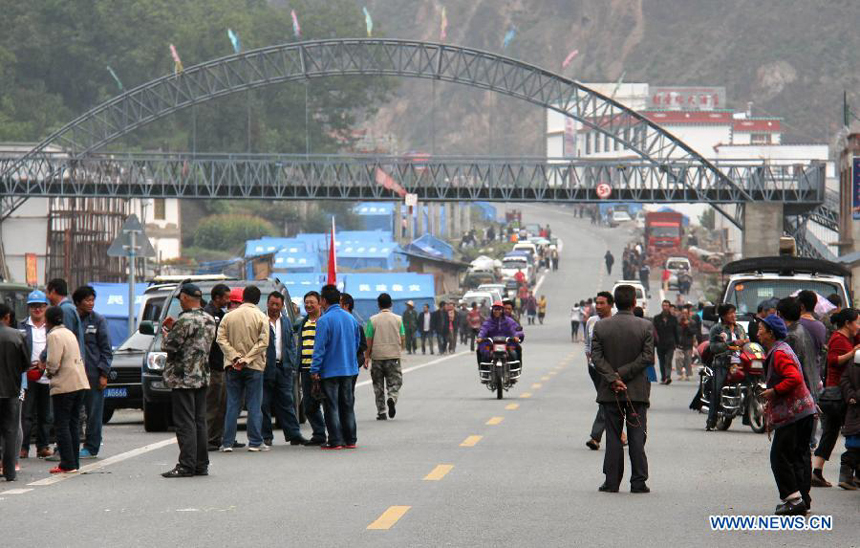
(365, 254)
(685, 221)
(488, 211)
(254, 248)
(432, 246)
(376, 215)
(402, 286)
(295, 262)
(112, 303)
(319, 242)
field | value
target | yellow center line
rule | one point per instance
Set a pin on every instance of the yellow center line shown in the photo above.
(471, 441)
(526, 395)
(439, 472)
(545, 378)
(512, 406)
(537, 385)
(389, 518)
(551, 373)
(495, 420)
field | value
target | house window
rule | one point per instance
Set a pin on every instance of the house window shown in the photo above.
(760, 138)
(158, 207)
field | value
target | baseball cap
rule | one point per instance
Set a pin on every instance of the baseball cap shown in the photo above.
(410, 303)
(236, 294)
(37, 297)
(191, 290)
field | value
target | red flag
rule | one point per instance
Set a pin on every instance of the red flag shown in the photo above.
(332, 258)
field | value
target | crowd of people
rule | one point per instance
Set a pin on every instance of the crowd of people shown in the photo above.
(219, 358)
(811, 381)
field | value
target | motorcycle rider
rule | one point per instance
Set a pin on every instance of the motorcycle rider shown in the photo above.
(499, 324)
(726, 340)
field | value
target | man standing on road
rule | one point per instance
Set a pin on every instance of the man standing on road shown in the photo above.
(37, 402)
(475, 320)
(216, 394)
(440, 326)
(57, 292)
(425, 324)
(278, 377)
(14, 361)
(410, 325)
(385, 339)
(666, 326)
(603, 305)
(335, 366)
(610, 260)
(307, 335)
(98, 356)
(645, 277)
(622, 347)
(244, 338)
(187, 342)
(452, 324)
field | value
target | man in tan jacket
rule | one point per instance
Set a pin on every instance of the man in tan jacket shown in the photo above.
(65, 368)
(385, 340)
(244, 337)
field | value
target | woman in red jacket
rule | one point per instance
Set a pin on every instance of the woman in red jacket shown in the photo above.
(790, 412)
(840, 352)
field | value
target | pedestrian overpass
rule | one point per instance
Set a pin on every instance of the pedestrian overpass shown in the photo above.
(663, 168)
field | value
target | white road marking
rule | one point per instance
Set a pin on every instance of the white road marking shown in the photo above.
(15, 492)
(421, 366)
(104, 463)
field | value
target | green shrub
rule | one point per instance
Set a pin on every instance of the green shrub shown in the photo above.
(229, 232)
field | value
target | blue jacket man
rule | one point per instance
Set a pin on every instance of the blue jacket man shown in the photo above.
(279, 375)
(98, 357)
(335, 366)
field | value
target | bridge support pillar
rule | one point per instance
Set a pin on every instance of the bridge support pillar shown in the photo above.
(763, 227)
(466, 217)
(398, 222)
(456, 221)
(410, 224)
(435, 219)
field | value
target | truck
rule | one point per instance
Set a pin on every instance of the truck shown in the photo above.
(663, 230)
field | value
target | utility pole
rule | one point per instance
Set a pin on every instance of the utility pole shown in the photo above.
(131, 253)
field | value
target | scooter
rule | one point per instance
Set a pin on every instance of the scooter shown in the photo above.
(741, 393)
(504, 368)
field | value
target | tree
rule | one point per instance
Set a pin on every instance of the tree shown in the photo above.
(230, 232)
(708, 219)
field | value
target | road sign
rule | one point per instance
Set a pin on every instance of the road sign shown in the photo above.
(603, 191)
(411, 200)
(121, 246)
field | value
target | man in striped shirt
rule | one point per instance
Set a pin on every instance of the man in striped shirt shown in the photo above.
(307, 334)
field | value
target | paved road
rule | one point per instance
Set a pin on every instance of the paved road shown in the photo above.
(524, 479)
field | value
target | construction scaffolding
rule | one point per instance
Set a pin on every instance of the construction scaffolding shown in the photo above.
(80, 231)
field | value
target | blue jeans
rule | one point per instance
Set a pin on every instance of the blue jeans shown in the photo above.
(313, 409)
(250, 383)
(94, 403)
(339, 409)
(278, 400)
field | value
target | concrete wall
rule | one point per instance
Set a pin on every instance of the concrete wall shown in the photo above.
(763, 223)
(26, 231)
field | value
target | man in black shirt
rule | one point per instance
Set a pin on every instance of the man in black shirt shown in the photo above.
(216, 395)
(666, 326)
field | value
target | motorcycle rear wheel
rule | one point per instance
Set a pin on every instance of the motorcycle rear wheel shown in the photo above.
(755, 414)
(499, 386)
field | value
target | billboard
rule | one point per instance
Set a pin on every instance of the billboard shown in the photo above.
(687, 97)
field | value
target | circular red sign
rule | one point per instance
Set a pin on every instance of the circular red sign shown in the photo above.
(603, 191)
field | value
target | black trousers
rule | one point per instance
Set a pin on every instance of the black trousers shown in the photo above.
(426, 336)
(599, 425)
(10, 414)
(67, 423)
(216, 406)
(717, 383)
(36, 414)
(665, 355)
(189, 418)
(849, 465)
(832, 417)
(613, 460)
(790, 458)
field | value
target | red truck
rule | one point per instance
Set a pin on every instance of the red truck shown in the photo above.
(663, 230)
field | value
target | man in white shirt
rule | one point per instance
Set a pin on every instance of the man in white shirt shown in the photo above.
(603, 306)
(37, 401)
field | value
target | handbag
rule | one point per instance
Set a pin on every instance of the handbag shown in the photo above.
(34, 374)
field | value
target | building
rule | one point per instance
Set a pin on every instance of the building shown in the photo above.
(700, 117)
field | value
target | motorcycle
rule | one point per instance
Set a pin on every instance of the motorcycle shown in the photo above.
(503, 369)
(741, 393)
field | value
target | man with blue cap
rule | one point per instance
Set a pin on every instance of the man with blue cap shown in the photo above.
(37, 401)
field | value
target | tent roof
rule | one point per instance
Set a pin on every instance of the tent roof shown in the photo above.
(432, 246)
(112, 298)
(286, 260)
(400, 285)
(374, 208)
(264, 246)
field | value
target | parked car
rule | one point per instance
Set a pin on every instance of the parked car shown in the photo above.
(675, 265)
(641, 296)
(156, 395)
(619, 217)
(483, 298)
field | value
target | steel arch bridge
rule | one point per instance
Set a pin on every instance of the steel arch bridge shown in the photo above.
(656, 148)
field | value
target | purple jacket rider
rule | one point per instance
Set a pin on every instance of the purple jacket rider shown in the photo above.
(500, 327)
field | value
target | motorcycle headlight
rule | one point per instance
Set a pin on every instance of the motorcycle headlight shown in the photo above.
(156, 360)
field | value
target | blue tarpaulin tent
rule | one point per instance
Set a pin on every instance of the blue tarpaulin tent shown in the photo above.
(286, 261)
(364, 254)
(376, 215)
(431, 246)
(112, 303)
(487, 210)
(685, 221)
(402, 286)
(263, 246)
